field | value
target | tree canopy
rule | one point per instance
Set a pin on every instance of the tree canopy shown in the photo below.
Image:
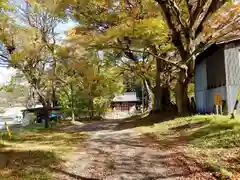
(153, 43)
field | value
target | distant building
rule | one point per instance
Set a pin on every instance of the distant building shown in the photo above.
(217, 71)
(126, 101)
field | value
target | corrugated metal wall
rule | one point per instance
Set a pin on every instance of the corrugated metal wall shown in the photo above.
(215, 64)
(209, 81)
(205, 99)
(204, 94)
(232, 61)
(201, 87)
(211, 94)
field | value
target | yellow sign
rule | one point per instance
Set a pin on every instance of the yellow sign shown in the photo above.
(218, 100)
(238, 98)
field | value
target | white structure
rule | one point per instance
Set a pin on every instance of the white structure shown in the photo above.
(12, 116)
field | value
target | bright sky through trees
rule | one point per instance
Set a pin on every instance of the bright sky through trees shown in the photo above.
(7, 73)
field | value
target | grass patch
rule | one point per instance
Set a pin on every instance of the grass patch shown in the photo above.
(33, 151)
(27, 165)
(53, 136)
(211, 140)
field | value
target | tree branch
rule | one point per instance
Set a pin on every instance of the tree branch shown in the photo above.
(201, 16)
(194, 13)
(128, 52)
(188, 9)
(178, 16)
(156, 56)
(175, 34)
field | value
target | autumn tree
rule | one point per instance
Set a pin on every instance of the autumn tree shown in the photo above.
(130, 31)
(135, 73)
(45, 22)
(18, 93)
(31, 57)
(174, 32)
(88, 82)
(185, 21)
(7, 29)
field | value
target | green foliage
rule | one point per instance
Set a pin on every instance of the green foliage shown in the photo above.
(191, 90)
(171, 32)
(132, 36)
(87, 83)
(16, 92)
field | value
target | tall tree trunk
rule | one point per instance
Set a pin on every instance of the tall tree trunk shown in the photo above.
(46, 116)
(181, 95)
(72, 103)
(162, 99)
(181, 88)
(157, 90)
(54, 97)
(161, 91)
(157, 106)
(149, 95)
(73, 116)
(166, 100)
(91, 113)
(46, 107)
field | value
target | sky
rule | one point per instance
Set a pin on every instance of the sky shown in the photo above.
(63, 27)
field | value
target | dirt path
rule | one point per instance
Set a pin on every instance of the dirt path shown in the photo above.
(112, 154)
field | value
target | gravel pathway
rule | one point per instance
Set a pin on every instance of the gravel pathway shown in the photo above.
(124, 155)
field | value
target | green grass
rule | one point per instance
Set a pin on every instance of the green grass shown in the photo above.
(213, 141)
(34, 152)
(27, 164)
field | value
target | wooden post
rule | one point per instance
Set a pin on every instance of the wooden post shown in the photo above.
(8, 130)
(221, 110)
(218, 103)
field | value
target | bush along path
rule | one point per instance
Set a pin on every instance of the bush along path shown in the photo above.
(124, 152)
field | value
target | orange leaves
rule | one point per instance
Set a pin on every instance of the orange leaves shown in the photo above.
(76, 64)
(223, 23)
(95, 78)
(225, 15)
(71, 32)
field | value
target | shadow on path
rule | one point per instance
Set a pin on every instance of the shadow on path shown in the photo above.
(116, 153)
(67, 175)
(94, 126)
(120, 124)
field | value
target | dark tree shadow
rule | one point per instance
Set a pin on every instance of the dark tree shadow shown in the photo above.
(121, 124)
(129, 157)
(74, 176)
(37, 165)
(191, 125)
(94, 126)
(149, 120)
(27, 164)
